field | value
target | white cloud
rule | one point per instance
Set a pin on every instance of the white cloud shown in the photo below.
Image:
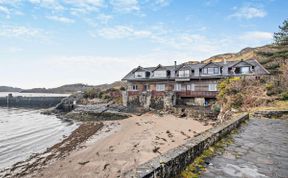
(19, 31)
(257, 35)
(119, 32)
(248, 12)
(104, 18)
(125, 5)
(50, 4)
(84, 6)
(61, 19)
(4, 10)
(96, 3)
(162, 2)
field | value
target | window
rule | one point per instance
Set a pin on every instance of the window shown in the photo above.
(192, 87)
(146, 87)
(244, 70)
(133, 88)
(160, 73)
(139, 74)
(184, 73)
(205, 71)
(160, 87)
(211, 70)
(177, 87)
(212, 87)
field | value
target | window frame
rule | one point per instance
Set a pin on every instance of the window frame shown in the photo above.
(160, 87)
(212, 87)
(184, 73)
(177, 87)
(247, 67)
(162, 72)
(211, 70)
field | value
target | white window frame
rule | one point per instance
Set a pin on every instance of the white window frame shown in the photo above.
(146, 87)
(245, 67)
(211, 70)
(192, 87)
(133, 88)
(160, 73)
(177, 87)
(160, 87)
(139, 74)
(212, 87)
(184, 73)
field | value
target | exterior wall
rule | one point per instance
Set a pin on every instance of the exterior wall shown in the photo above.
(201, 88)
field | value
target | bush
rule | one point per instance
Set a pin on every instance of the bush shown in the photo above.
(284, 95)
(269, 86)
(122, 88)
(224, 86)
(106, 97)
(216, 108)
(238, 101)
(91, 93)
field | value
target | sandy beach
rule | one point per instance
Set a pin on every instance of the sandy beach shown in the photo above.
(122, 145)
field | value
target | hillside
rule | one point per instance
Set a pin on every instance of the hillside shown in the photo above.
(270, 56)
(72, 88)
(9, 89)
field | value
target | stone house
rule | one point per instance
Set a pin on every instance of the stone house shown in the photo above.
(190, 84)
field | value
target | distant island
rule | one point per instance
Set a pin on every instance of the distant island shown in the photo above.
(70, 88)
(9, 89)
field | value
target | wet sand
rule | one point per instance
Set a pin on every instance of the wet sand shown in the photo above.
(122, 145)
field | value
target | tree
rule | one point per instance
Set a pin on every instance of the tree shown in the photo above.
(281, 37)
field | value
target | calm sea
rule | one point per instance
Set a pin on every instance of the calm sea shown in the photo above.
(27, 131)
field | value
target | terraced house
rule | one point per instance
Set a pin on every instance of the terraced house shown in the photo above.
(189, 82)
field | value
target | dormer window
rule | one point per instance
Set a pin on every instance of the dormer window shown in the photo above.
(244, 70)
(160, 73)
(139, 74)
(184, 73)
(210, 70)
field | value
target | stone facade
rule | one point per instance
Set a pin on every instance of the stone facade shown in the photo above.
(164, 100)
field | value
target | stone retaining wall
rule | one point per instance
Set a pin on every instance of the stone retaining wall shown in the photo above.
(275, 114)
(30, 102)
(174, 161)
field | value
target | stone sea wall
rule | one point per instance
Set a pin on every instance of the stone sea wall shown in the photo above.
(29, 102)
(273, 114)
(174, 161)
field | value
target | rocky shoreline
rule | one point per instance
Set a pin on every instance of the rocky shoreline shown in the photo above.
(56, 152)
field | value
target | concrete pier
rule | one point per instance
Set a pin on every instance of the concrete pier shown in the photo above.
(30, 102)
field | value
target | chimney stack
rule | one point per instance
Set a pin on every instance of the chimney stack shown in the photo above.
(175, 64)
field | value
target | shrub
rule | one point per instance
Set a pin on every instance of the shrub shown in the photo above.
(122, 88)
(284, 95)
(238, 101)
(224, 86)
(216, 108)
(269, 86)
(91, 93)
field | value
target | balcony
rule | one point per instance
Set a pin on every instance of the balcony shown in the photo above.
(200, 94)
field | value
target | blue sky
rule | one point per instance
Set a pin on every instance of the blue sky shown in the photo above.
(47, 43)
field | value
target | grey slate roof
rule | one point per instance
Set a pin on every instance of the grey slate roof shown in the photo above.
(259, 69)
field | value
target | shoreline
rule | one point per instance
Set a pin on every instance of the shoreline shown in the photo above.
(121, 145)
(58, 151)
